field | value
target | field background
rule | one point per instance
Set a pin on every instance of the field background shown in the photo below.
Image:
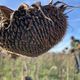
(49, 66)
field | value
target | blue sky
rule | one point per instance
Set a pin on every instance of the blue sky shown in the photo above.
(73, 20)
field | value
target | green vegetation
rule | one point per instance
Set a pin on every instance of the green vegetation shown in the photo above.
(45, 67)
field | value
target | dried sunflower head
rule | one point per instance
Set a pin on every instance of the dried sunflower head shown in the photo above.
(32, 31)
